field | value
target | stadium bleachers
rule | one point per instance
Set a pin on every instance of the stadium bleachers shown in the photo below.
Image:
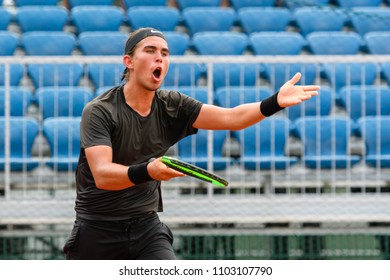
(286, 156)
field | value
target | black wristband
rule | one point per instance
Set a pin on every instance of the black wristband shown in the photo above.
(138, 173)
(270, 105)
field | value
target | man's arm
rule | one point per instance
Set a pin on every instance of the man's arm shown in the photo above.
(242, 116)
(113, 176)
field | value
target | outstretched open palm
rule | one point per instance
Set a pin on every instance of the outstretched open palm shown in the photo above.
(291, 94)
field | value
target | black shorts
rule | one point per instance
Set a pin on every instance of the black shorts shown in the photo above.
(144, 238)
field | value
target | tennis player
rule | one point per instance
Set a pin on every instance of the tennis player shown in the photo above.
(118, 185)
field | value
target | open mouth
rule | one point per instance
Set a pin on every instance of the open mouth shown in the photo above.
(157, 73)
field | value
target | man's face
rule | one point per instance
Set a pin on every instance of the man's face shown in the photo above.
(150, 62)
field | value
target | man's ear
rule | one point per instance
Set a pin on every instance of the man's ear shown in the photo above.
(128, 61)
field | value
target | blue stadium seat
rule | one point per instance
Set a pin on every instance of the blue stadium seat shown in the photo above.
(199, 93)
(254, 19)
(199, 19)
(48, 43)
(63, 137)
(378, 42)
(41, 18)
(277, 74)
(235, 74)
(361, 101)
(368, 19)
(238, 4)
(209, 43)
(102, 42)
(194, 149)
(162, 18)
(325, 141)
(133, 3)
(16, 74)
(23, 132)
(101, 90)
(62, 101)
(376, 136)
(276, 43)
(20, 99)
(358, 3)
(52, 74)
(343, 74)
(9, 41)
(5, 18)
(263, 145)
(97, 18)
(294, 4)
(312, 19)
(320, 105)
(178, 42)
(183, 74)
(75, 3)
(334, 42)
(21, 3)
(105, 74)
(183, 4)
(229, 97)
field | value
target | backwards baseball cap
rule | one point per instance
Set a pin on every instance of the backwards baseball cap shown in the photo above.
(139, 35)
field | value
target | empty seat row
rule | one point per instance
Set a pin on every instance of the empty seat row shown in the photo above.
(325, 144)
(337, 75)
(203, 43)
(198, 19)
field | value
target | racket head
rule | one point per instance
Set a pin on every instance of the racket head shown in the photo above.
(194, 171)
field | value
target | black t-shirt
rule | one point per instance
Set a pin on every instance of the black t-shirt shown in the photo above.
(108, 120)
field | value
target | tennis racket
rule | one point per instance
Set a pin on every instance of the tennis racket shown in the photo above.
(194, 171)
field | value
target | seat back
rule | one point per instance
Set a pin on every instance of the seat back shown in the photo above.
(19, 100)
(162, 18)
(314, 19)
(41, 18)
(199, 19)
(183, 74)
(133, 3)
(53, 74)
(378, 42)
(358, 3)
(62, 101)
(63, 137)
(183, 4)
(348, 74)
(97, 18)
(325, 135)
(22, 132)
(369, 19)
(374, 131)
(178, 42)
(21, 3)
(74, 3)
(334, 42)
(209, 43)
(238, 4)
(8, 43)
(5, 18)
(254, 19)
(235, 74)
(363, 101)
(194, 149)
(48, 43)
(276, 43)
(15, 73)
(102, 42)
(105, 74)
